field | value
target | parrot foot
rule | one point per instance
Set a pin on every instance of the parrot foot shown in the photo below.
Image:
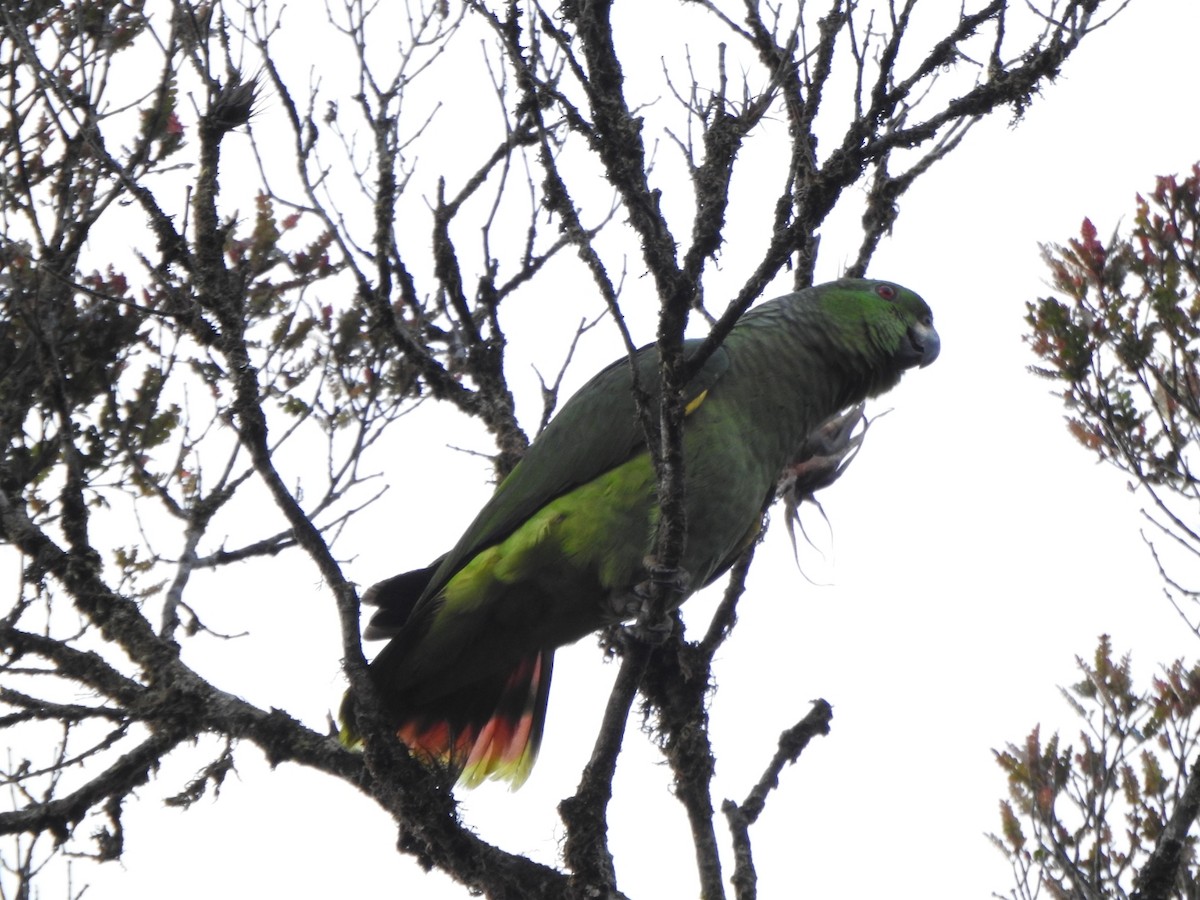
(654, 632)
(664, 577)
(644, 600)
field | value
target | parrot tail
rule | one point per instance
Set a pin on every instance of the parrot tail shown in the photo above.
(487, 729)
(490, 729)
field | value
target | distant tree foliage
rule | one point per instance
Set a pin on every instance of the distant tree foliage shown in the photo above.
(1124, 345)
(233, 258)
(1108, 816)
(1112, 818)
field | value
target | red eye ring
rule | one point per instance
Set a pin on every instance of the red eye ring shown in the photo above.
(886, 291)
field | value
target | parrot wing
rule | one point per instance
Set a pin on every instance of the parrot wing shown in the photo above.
(595, 431)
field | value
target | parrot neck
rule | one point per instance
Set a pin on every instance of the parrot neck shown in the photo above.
(804, 373)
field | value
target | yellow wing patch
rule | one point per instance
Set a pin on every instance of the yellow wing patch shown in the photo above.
(695, 404)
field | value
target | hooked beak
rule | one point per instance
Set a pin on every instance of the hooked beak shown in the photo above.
(924, 345)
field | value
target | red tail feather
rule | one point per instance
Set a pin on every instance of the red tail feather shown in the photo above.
(497, 738)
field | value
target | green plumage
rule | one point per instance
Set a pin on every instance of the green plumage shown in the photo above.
(560, 549)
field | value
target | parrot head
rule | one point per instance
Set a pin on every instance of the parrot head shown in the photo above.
(877, 327)
(920, 345)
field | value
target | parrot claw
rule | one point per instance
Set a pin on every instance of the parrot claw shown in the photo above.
(636, 602)
(673, 580)
(670, 578)
(654, 633)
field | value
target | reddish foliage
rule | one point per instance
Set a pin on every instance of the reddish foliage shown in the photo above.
(1125, 341)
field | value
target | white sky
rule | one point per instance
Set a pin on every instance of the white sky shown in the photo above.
(975, 551)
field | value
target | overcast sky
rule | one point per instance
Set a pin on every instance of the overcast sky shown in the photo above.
(975, 549)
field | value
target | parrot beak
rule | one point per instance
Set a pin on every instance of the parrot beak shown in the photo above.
(922, 347)
(932, 344)
(926, 339)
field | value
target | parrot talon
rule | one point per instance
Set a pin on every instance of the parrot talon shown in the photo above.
(638, 603)
(635, 602)
(654, 633)
(670, 577)
(661, 578)
(627, 606)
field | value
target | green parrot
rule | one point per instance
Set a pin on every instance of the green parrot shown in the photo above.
(560, 550)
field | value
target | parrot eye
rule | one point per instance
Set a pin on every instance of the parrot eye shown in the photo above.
(886, 291)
